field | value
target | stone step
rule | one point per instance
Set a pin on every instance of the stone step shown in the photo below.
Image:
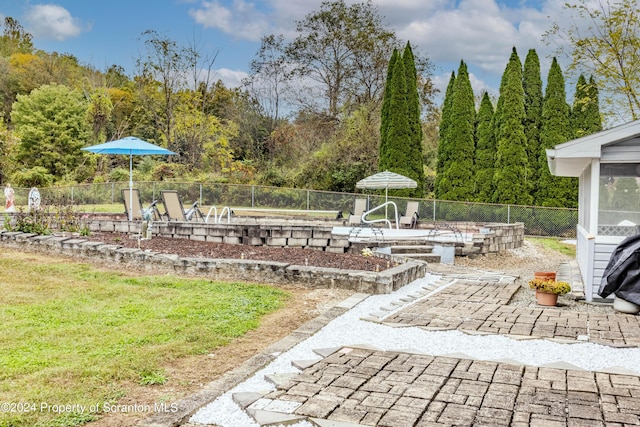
(428, 257)
(404, 249)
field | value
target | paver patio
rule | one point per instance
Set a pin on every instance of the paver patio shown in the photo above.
(480, 307)
(363, 386)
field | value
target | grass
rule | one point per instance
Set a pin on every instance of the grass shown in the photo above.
(555, 244)
(74, 334)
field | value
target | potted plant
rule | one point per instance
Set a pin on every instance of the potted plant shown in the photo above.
(547, 290)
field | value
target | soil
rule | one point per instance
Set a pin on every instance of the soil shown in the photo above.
(199, 249)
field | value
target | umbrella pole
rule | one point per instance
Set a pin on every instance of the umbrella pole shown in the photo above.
(130, 187)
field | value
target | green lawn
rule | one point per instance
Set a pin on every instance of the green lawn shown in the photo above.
(71, 333)
(556, 244)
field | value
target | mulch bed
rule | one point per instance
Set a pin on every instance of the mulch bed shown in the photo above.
(199, 249)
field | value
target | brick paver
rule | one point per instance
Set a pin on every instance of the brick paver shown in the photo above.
(421, 390)
(364, 386)
(482, 307)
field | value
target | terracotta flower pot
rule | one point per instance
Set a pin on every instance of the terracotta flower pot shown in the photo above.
(546, 298)
(547, 275)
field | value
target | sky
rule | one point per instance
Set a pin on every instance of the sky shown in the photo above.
(102, 33)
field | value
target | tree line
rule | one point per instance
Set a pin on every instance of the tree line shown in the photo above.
(499, 155)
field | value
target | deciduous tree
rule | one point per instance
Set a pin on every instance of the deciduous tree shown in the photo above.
(603, 38)
(343, 51)
(52, 126)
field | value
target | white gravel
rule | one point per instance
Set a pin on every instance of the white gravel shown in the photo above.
(349, 329)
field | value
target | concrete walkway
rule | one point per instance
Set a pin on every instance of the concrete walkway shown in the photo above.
(362, 385)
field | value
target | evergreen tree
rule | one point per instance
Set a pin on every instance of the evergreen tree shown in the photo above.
(457, 181)
(585, 114)
(443, 143)
(594, 118)
(384, 115)
(485, 150)
(510, 177)
(579, 110)
(398, 132)
(415, 126)
(532, 85)
(556, 129)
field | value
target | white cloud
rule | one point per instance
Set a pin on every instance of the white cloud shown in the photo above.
(50, 21)
(240, 19)
(230, 78)
(480, 32)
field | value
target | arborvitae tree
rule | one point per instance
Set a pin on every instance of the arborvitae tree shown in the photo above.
(398, 131)
(443, 143)
(556, 129)
(415, 126)
(578, 112)
(457, 181)
(585, 114)
(532, 84)
(510, 178)
(593, 122)
(485, 150)
(384, 115)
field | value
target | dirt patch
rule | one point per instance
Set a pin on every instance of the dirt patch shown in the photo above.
(199, 249)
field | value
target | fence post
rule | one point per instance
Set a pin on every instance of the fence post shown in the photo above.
(308, 201)
(508, 214)
(113, 193)
(200, 194)
(434, 210)
(253, 195)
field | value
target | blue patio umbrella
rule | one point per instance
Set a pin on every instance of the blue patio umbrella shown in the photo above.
(133, 147)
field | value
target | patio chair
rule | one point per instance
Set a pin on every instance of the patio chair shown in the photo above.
(138, 210)
(135, 211)
(356, 216)
(410, 217)
(175, 210)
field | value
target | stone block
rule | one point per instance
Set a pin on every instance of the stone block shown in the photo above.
(338, 242)
(276, 241)
(252, 241)
(319, 233)
(321, 243)
(280, 233)
(302, 234)
(121, 227)
(300, 243)
(231, 239)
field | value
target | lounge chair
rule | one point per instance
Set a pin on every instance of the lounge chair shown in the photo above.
(356, 216)
(135, 211)
(138, 210)
(174, 209)
(410, 217)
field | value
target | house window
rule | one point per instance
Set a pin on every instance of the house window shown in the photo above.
(619, 199)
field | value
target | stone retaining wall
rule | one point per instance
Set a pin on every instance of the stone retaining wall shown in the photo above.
(485, 238)
(382, 282)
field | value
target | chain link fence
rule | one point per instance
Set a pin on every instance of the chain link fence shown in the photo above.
(538, 221)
